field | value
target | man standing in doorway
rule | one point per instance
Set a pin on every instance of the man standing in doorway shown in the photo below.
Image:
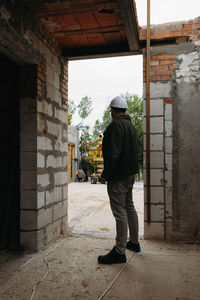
(120, 166)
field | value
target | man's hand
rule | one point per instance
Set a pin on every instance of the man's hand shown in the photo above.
(102, 180)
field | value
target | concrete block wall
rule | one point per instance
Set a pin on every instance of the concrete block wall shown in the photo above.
(43, 123)
(175, 84)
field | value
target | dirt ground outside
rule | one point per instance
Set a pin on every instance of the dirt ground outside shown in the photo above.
(89, 209)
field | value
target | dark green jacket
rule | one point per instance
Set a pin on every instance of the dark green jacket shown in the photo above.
(120, 149)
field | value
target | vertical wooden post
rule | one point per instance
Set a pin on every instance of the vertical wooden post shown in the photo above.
(148, 114)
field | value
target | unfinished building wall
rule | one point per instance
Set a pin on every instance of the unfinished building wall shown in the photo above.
(174, 133)
(43, 124)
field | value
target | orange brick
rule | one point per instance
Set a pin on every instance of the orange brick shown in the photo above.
(154, 63)
(172, 67)
(165, 77)
(165, 72)
(167, 62)
(187, 26)
(155, 78)
(168, 100)
(160, 68)
(41, 76)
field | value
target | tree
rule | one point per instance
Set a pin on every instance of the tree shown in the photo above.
(85, 107)
(84, 138)
(71, 111)
(96, 130)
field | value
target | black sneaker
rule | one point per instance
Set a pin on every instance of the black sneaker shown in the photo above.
(113, 257)
(133, 247)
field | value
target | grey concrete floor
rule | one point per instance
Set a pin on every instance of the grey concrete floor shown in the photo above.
(68, 269)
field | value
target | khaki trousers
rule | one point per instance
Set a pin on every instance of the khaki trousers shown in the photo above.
(121, 202)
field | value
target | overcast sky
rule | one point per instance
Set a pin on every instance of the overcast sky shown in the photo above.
(103, 79)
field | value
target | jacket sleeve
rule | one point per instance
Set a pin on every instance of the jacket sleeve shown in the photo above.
(113, 149)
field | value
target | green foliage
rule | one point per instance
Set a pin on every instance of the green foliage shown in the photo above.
(71, 111)
(85, 107)
(96, 130)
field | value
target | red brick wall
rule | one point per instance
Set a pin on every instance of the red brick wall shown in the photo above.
(162, 67)
(186, 29)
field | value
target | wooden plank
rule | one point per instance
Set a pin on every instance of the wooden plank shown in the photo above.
(108, 29)
(128, 14)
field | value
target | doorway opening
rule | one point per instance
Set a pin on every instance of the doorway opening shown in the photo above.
(101, 80)
(9, 155)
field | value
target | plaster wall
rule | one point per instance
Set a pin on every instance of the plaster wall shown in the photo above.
(175, 145)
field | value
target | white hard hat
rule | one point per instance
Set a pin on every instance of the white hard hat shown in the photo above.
(118, 102)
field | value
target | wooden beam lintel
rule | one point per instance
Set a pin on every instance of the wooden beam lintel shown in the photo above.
(129, 17)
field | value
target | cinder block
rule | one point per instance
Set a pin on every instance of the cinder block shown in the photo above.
(28, 105)
(156, 142)
(168, 112)
(168, 161)
(54, 94)
(170, 232)
(60, 178)
(28, 239)
(156, 124)
(66, 135)
(28, 199)
(51, 161)
(28, 141)
(153, 230)
(65, 191)
(60, 210)
(49, 233)
(52, 76)
(168, 145)
(43, 180)
(44, 143)
(28, 123)
(168, 195)
(65, 225)
(157, 212)
(61, 115)
(40, 199)
(157, 159)
(168, 179)
(168, 128)
(169, 213)
(64, 161)
(54, 196)
(156, 107)
(28, 220)
(45, 107)
(54, 129)
(157, 177)
(28, 180)
(45, 216)
(61, 146)
(54, 162)
(158, 90)
(40, 160)
(157, 194)
(41, 124)
(28, 160)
